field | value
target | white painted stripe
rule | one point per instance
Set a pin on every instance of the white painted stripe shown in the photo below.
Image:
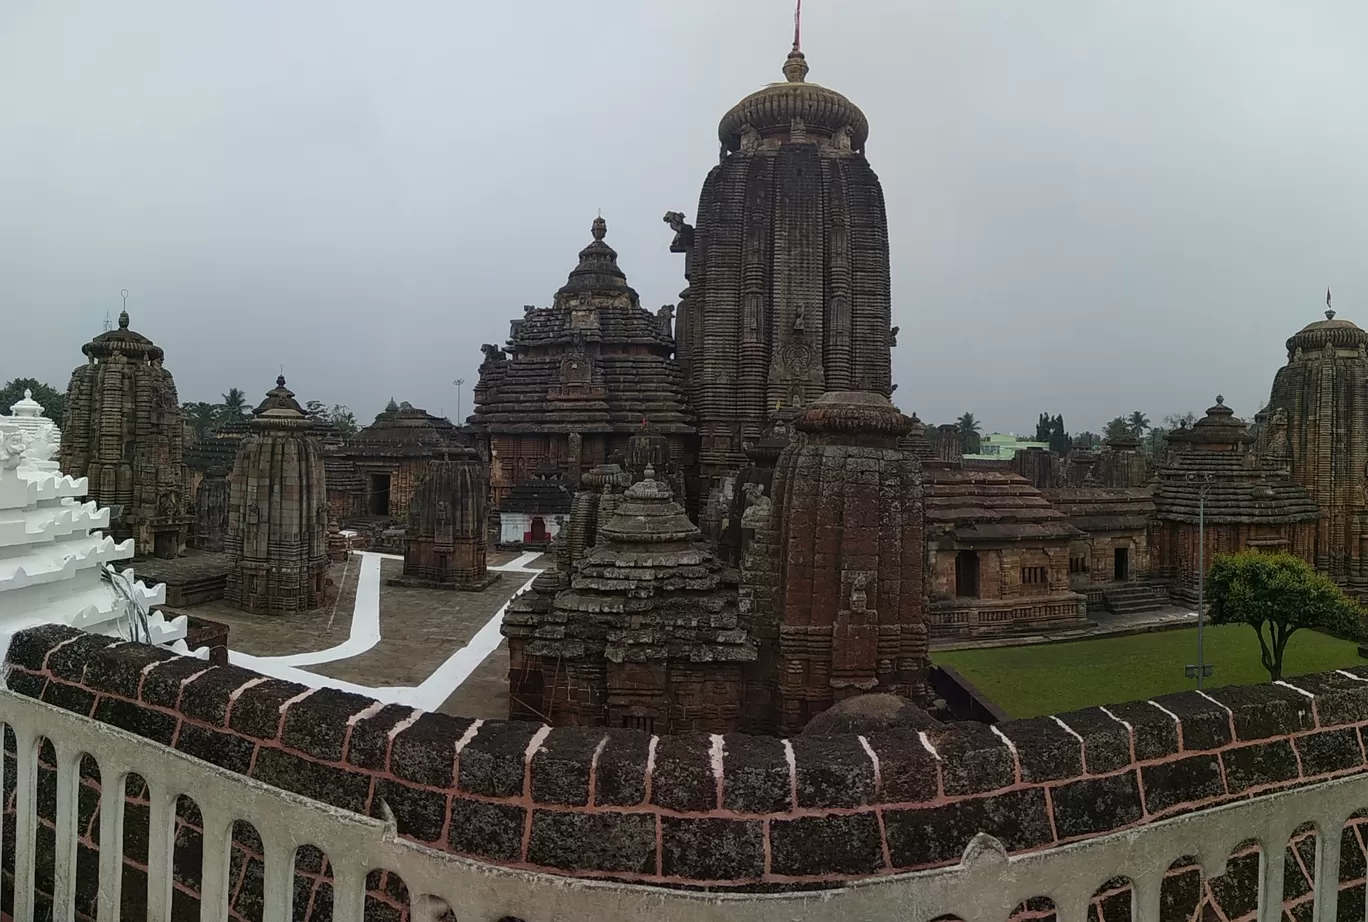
(365, 621)
(1300, 691)
(449, 676)
(926, 743)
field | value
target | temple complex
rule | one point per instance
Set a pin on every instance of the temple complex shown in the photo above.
(391, 456)
(1318, 419)
(1247, 502)
(997, 554)
(787, 267)
(447, 530)
(123, 433)
(278, 512)
(579, 378)
(1109, 561)
(217, 448)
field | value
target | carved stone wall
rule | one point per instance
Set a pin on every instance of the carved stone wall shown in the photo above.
(278, 512)
(123, 431)
(211, 511)
(845, 538)
(447, 526)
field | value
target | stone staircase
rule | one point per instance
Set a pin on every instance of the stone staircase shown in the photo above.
(1135, 598)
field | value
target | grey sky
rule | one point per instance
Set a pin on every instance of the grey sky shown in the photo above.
(1095, 205)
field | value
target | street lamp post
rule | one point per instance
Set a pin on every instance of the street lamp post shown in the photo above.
(1202, 669)
(458, 382)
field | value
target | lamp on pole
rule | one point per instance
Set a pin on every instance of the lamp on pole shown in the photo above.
(1203, 481)
(458, 382)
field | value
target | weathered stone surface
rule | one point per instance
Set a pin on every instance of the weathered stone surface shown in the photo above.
(1092, 806)
(712, 849)
(937, 835)
(826, 845)
(1183, 781)
(278, 512)
(593, 842)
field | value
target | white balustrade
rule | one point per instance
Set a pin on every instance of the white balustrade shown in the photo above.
(985, 887)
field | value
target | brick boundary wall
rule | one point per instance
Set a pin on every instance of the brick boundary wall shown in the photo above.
(728, 811)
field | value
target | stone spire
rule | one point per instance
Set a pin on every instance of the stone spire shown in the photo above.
(277, 538)
(448, 526)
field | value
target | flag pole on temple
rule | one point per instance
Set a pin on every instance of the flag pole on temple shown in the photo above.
(797, 23)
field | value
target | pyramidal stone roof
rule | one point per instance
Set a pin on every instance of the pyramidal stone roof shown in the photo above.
(595, 361)
(989, 505)
(649, 589)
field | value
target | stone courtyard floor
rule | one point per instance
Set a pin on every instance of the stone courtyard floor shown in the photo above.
(440, 650)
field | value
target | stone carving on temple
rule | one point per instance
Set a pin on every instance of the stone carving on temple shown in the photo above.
(1322, 437)
(579, 379)
(277, 539)
(788, 270)
(447, 531)
(125, 435)
(211, 510)
(763, 455)
(1247, 505)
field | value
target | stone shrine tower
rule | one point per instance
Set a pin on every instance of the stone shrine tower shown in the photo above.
(1318, 421)
(579, 378)
(124, 434)
(787, 265)
(278, 512)
(448, 526)
(839, 598)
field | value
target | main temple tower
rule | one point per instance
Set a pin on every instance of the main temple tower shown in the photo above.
(1317, 423)
(787, 265)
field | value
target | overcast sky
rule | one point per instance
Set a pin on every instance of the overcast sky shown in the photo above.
(1094, 205)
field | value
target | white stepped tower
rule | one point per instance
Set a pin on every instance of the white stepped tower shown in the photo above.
(50, 559)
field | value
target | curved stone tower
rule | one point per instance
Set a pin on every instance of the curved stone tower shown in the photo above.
(646, 635)
(278, 512)
(787, 264)
(123, 432)
(845, 537)
(447, 526)
(1318, 420)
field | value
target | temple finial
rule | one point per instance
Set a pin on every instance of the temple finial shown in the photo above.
(123, 314)
(1329, 311)
(600, 229)
(795, 67)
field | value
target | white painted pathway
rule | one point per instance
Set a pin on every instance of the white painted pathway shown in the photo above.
(365, 634)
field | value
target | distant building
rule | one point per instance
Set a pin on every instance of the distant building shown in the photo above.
(1002, 446)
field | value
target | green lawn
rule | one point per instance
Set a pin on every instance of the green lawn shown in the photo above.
(1029, 681)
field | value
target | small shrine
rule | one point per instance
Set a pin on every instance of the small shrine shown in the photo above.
(447, 531)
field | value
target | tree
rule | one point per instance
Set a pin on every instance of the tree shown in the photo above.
(1137, 423)
(1278, 595)
(1117, 428)
(1087, 441)
(343, 419)
(969, 429)
(316, 410)
(201, 416)
(52, 400)
(234, 403)
(1180, 420)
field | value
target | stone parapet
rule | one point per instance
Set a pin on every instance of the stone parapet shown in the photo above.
(722, 810)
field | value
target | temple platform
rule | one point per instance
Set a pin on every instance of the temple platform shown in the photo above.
(193, 579)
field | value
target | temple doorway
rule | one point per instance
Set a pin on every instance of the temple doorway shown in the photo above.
(165, 545)
(379, 494)
(967, 574)
(538, 531)
(1121, 564)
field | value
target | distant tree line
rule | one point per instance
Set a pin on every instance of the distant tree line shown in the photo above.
(204, 417)
(52, 400)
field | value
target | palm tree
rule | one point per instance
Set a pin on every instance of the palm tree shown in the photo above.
(968, 429)
(235, 403)
(1137, 423)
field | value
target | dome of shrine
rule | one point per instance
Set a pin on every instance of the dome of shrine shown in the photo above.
(598, 272)
(1339, 334)
(848, 412)
(122, 341)
(280, 408)
(771, 110)
(405, 431)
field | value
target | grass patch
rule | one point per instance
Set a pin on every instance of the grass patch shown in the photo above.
(1029, 681)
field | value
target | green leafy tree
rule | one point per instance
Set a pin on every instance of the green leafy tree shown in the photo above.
(201, 416)
(234, 403)
(969, 431)
(1137, 423)
(1117, 428)
(1278, 595)
(343, 419)
(52, 400)
(1087, 441)
(316, 410)
(1180, 420)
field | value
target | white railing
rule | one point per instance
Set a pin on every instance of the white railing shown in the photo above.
(985, 887)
